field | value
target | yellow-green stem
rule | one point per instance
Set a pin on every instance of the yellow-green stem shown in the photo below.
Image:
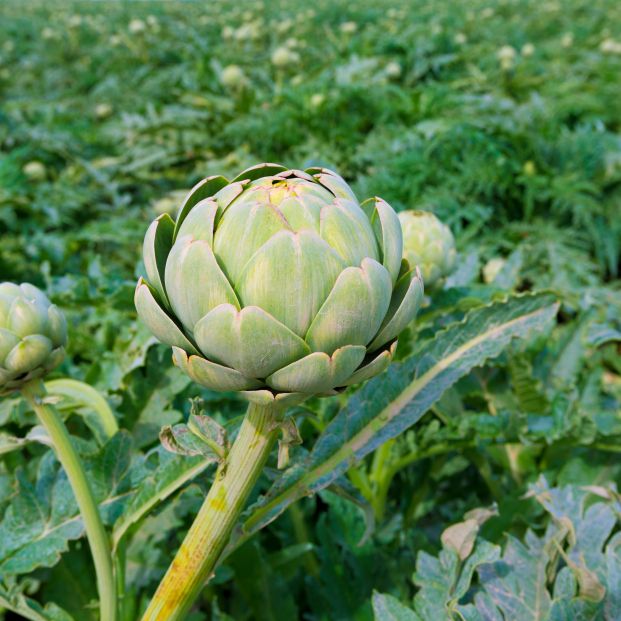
(34, 393)
(211, 530)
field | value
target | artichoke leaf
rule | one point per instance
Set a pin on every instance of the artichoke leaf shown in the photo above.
(56, 326)
(295, 173)
(33, 293)
(302, 214)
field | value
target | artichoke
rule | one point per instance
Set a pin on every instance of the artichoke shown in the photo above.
(428, 243)
(278, 284)
(33, 335)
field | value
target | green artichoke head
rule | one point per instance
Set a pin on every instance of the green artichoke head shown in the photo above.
(33, 335)
(278, 284)
(428, 243)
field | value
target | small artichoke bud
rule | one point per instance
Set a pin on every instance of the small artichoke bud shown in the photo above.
(33, 335)
(429, 244)
(492, 268)
(278, 284)
(35, 171)
(233, 78)
(283, 57)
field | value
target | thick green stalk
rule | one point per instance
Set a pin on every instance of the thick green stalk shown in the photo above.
(211, 530)
(34, 393)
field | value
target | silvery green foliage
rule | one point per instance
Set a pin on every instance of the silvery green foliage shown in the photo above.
(570, 571)
(428, 243)
(42, 520)
(278, 284)
(33, 335)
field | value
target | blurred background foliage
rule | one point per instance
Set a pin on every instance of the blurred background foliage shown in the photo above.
(503, 118)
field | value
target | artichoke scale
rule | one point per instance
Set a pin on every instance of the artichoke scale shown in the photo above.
(205, 188)
(404, 304)
(318, 372)
(212, 375)
(333, 182)
(31, 352)
(250, 340)
(290, 277)
(387, 229)
(354, 310)
(195, 283)
(157, 320)
(155, 249)
(347, 229)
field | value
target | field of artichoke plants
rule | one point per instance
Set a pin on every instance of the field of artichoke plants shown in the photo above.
(205, 413)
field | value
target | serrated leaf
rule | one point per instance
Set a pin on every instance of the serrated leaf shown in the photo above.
(389, 404)
(590, 526)
(526, 387)
(389, 608)
(599, 334)
(13, 599)
(181, 440)
(43, 516)
(572, 351)
(444, 580)
(209, 430)
(9, 443)
(160, 474)
(264, 589)
(587, 588)
(517, 583)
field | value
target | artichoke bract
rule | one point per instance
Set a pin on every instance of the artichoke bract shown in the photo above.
(278, 284)
(33, 335)
(428, 243)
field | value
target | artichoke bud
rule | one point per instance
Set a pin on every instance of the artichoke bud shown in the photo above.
(33, 335)
(278, 284)
(429, 244)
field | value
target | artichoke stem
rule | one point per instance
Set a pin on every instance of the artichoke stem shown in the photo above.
(34, 393)
(203, 545)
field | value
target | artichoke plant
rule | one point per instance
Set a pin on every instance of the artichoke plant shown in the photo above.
(278, 284)
(428, 243)
(33, 335)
